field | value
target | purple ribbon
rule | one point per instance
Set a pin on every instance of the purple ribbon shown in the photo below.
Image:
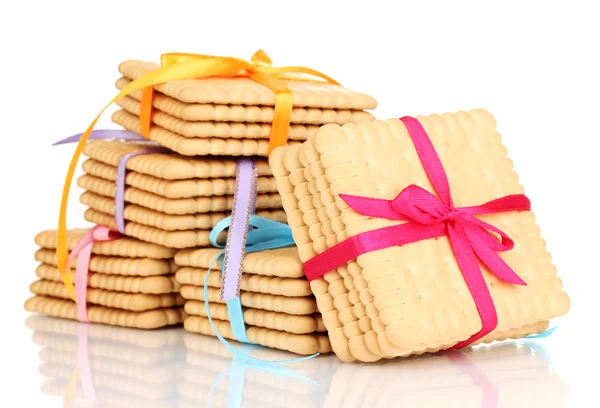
(120, 193)
(244, 199)
(117, 134)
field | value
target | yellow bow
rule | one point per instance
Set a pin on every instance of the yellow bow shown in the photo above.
(181, 66)
(259, 69)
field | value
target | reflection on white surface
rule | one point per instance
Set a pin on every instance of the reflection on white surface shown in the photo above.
(103, 366)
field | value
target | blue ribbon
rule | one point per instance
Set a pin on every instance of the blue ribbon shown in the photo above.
(542, 335)
(265, 234)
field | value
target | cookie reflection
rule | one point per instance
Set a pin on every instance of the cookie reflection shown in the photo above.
(95, 365)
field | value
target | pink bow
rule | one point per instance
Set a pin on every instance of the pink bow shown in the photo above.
(429, 217)
(83, 251)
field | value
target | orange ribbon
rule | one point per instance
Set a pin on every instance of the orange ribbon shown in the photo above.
(180, 66)
(258, 69)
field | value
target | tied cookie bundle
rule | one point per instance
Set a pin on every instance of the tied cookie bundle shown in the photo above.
(416, 236)
(252, 288)
(125, 282)
(165, 198)
(99, 365)
(169, 177)
(279, 309)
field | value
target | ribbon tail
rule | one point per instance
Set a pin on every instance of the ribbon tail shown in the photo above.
(495, 264)
(467, 262)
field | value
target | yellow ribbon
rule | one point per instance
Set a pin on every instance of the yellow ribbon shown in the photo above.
(181, 66)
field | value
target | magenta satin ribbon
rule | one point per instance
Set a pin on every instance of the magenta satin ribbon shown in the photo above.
(120, 184)
(244, 200)
(83, 251)
(429, 217)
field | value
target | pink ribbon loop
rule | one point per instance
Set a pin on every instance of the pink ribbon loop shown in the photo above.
(83, 251)
(429, 216)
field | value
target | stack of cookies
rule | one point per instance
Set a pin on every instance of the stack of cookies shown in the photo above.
(232, 116)
(412, 298)
(130, 283)
(114, 366)
(278, 307)
(169, 199)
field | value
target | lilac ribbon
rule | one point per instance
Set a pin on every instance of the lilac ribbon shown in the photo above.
(243, 206)
(117, 134)
(120, 193)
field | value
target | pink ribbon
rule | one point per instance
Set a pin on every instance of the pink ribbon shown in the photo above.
(429, 217)
(83, 251)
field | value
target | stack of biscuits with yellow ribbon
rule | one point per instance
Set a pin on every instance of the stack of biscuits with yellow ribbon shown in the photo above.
(278, 307)
(247, 114)
(126, 282)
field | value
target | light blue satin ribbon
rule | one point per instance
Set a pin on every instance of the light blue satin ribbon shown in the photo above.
(542, 335)
(265, 234)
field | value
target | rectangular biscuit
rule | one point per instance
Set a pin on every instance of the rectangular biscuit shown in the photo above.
(342, 152)
(304, 344)
(244, 91)
(114, 265)
(192, 205)
(281, 262)
(65, 309)
(273, 303)
(185, 188)
(297, 324)
(170, 166)
(135, 302)
(194, 146)
(124, 246)
(129, 284)
(217, 130)
(243, 113)
(273, 285)
(168, 222)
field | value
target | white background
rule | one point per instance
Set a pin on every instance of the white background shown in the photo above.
(533, 64)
